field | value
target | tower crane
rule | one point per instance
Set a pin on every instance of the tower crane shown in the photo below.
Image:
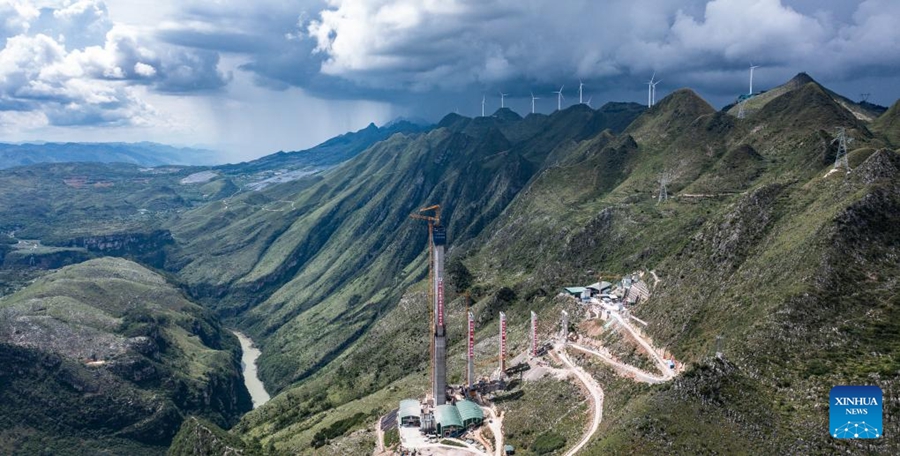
(433, 220)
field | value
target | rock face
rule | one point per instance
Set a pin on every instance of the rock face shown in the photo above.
(145, 247)
(106, 354)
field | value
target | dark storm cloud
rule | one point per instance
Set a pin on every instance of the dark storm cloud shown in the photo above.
(395, 49)
(448, 52)
(188, 72)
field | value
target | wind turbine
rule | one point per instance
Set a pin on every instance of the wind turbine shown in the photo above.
(752, 67)
(580, 91)
(559, 98)
(482, 106)
(650, 91)
(589, 102)
(532, 101)
(502, 97)
(653, 90)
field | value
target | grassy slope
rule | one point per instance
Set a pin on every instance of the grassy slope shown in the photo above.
(888, 125)
(736, 264)
(590, 206)
(164, 356)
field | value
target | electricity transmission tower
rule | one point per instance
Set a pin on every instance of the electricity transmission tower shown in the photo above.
(665, 178)
(741, 113)
(842, 140)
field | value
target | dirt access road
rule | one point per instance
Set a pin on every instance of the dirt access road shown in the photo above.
(595, 396)
(635, 373)
(668, 373)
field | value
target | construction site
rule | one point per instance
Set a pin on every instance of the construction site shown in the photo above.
(449, 419)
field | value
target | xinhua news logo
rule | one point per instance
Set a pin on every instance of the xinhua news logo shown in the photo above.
(855, 412)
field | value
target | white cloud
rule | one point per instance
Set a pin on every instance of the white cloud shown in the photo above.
(737, 29)
(142, 69)
(76, 67)
(16, 18)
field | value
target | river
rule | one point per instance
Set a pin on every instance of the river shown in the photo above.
(248, 363)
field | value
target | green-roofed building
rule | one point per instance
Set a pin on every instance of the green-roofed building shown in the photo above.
(410, 413)
(575, 291)
(447, 420)
(470, 413)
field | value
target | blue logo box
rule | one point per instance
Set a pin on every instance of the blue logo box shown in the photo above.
(855, 412)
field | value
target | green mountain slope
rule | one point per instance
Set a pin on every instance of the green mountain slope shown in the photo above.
(756, 244)
(773, 256)
(888, 125)
(749, 223)
(863, 111)
(291, 279)
(104, 355)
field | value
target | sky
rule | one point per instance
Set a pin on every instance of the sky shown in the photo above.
(249, 78)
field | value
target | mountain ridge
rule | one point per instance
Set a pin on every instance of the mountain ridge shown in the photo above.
(140, 153)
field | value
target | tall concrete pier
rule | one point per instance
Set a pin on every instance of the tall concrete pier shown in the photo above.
(502, 344)
(439, 377)
(470, 353)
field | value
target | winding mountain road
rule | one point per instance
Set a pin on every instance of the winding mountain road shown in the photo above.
(596, 396)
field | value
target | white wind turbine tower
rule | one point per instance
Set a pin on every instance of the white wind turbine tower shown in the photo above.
(752, 67)
(653, 91)
(482, 106)
(559, 98)
(650, 91)
(532, 101)
(502, 98)
(580, 92)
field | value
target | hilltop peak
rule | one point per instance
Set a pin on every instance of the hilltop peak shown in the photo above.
(800, 80)
(672, 114)
(579, 107)
(682, 102)
(810, 104)
(417, 121)
(506, 114)
(683, 93)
